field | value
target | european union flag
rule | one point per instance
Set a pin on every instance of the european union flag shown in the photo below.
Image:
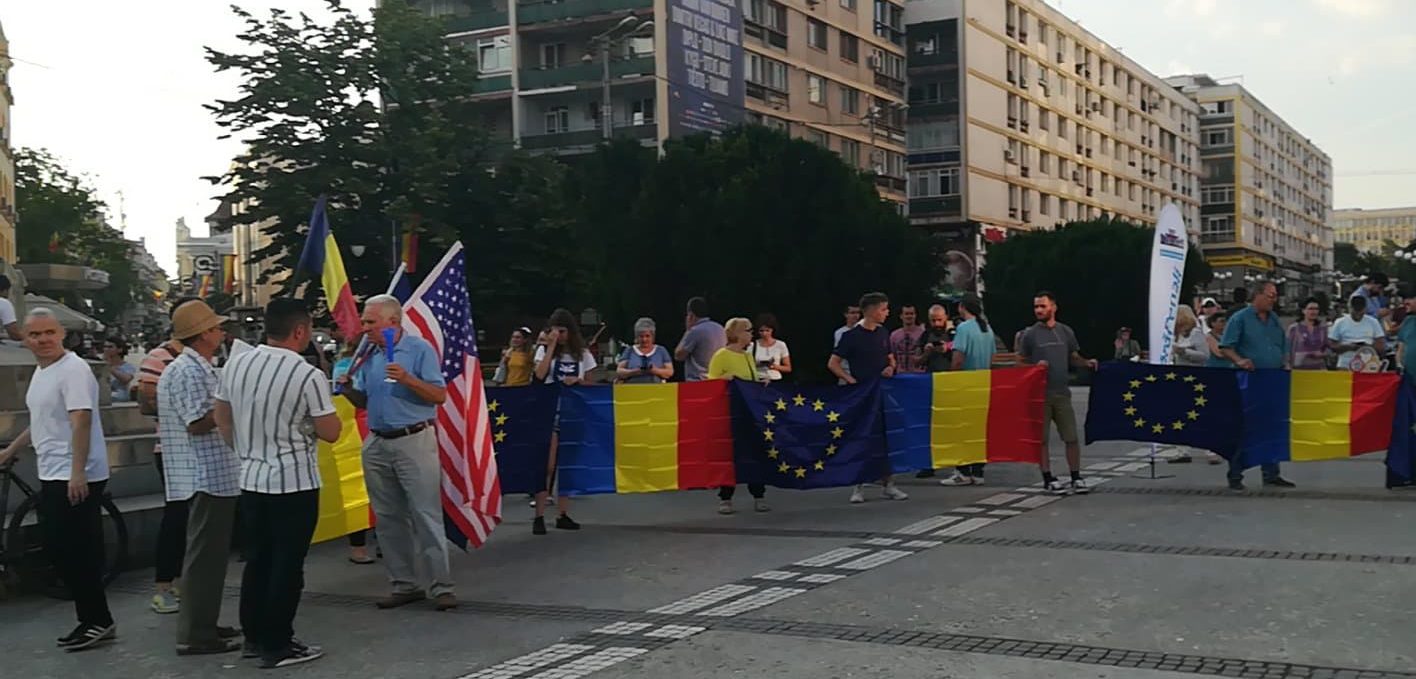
(1178, 405)
(808, 437)
(1400, 455)
(521, 420)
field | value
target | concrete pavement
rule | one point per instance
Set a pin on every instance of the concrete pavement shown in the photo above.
(1147, 579)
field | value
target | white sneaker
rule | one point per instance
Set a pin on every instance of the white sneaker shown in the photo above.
(760, 505)
(1058, 487)
(957, 480)
(893, 493)
(166, 602)
(725, 506)
(1081, 486)
(858, 495)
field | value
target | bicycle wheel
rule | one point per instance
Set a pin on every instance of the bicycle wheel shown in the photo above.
(24, 547)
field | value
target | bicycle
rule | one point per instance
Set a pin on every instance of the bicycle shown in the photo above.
(22, 563)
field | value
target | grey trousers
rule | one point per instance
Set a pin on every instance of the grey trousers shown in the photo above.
(404, 480)
(209, 525)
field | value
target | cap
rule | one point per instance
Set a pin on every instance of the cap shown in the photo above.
(194, 318)
(1208, 301)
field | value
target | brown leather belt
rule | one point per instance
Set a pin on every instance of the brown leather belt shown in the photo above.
(405, 431)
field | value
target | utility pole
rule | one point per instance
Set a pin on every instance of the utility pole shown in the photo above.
(607, 107)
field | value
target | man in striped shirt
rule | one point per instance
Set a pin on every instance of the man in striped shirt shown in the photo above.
(270, 407)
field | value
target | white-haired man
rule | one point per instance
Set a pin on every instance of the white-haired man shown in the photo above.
(401, 465)
(73, 469)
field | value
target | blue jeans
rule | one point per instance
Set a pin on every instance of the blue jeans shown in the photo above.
(1236, 469)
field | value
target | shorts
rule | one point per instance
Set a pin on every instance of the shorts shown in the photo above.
(1058, 409)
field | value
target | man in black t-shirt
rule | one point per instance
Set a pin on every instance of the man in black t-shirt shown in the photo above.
(866, 349)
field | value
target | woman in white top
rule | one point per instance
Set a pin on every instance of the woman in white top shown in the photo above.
(560, 357)
(1190, 348)
(770, 353)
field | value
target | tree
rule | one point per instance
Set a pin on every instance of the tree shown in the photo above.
(1099, 270)
(754, 221)
(62, 221)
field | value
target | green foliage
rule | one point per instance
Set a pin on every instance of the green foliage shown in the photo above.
(1099, 270)
(62, 222)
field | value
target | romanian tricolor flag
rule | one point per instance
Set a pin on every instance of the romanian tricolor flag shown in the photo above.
(639, 438)
(408, 249)
(204, 286)
(228, 273)
(955, 418)
(344, 499)
(1304, 415)
(321, 258)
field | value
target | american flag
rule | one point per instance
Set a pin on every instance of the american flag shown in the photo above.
(441, 313)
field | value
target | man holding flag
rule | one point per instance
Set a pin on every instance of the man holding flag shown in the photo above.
(401, 466)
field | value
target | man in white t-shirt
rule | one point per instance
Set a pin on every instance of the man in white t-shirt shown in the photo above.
(72, 458)
(1354, 331)
(7, 312)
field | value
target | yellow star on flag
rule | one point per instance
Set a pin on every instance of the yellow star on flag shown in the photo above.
(767, 434)
(501, 436)
(1199, 387)
(1128, 397)
(1135, 384)
(798, 400)
(1140, 422)
(818, 405)
(501, 419)
(837, 432)
(492, 407)
(831, 449)
(783, 467)
(1130, 410)
(801, 472)
(771, 419)
(1200, 400)
(780, 404)
(773, 452)
(1189, 378)
(1177, 425)
(819, 466)
(833, 416)
(1157, 428)
(1171, 376)
(1192, 415)
(1150, 378)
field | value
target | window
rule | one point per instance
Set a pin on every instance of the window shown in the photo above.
(849, 4)
(1042, 117)
(765, 13)
(926, 46)
(926, 93)
(1216, 195)
(552, 54)
(934, 183)
(816, 34)
(887, 64)
(819, 138)
(815, 89)
(933, 135)
(557, 120)
(642, 111)
(1217, 229)
(1044, 203)
(893, 164)
(850, 100)
(890, 21)
(1061, 127)
(638, 47)
(850, 47)
(850, 152)
(494, 54)
(766, 72)
(1218, 136)
(1044, 162)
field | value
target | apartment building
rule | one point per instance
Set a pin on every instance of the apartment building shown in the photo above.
(7, 157)
(1021, 119)
(830, 71)
(1266, 192)
(1369, 230)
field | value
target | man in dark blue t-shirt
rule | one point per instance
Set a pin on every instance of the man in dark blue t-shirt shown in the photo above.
(866, 349)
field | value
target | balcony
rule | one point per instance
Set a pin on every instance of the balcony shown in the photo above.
(540, 78)
(566, 10)
(494, 83)
(476, 21)
(586, 138)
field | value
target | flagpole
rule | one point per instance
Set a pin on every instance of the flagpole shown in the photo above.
(361, 351)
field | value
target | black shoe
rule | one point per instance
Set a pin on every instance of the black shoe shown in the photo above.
(224, 632)
(250, 650)
(212, 648)
(294, 655)
(925, 474)
(72, 637)
(1236, 485)
(1279, 482)
(538, 526)
(93, 635)
(564, 522)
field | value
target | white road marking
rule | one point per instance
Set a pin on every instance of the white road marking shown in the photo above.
(968, 526)
(703, 599)
(879, 558)
(530, 662)
(926, 525)
(766, 597)
(675, 631)
(622, 628)
(1037, 501)
(882, 542)
(592, 663)
(839, 554)
(776, 575)
(822, 578)
(999, 499)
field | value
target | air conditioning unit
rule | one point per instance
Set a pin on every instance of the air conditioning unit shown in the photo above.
(1009, 156)
(876, 62)
(1026, 171)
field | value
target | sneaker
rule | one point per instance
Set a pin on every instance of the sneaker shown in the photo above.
(858, 495)
(295, 655)
(1213, 459)
(212, 648)
(445, 601)
(925, 474)
(72, 637)
(1058, 487)
(1279, 482)
(538, 525)
(564, 522)
(400, 599)
(892, 493)
(224, 632)
(1081, 486)
(166, 602)
(760, 506)
(725, 507)
(92, 635)
(957, 480)
(250, 650)
(1235, 484)
(1183, 458)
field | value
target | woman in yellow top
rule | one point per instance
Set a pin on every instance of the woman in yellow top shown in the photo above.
(733, 362)
(515, 367)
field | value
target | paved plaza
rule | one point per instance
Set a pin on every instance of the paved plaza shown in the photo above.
(1149, 579)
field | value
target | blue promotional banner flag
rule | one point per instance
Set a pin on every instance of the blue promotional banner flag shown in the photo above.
(521, 420)
(808, 437)
(1176, 405)
(1402, 450)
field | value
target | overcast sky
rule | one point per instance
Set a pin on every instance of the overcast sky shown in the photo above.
(116, 88)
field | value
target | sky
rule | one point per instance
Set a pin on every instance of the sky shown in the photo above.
(116, 89)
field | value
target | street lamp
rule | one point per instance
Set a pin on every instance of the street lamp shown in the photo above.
(627, 28)
(357, 250)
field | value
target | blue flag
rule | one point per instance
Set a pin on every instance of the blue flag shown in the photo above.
(522, 419)
(1403, 434)
(1177, 405)
(808, 437)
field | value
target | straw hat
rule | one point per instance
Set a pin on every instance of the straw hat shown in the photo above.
(194, 318)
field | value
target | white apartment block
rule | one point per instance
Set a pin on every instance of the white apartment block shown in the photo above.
(1371, 230)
